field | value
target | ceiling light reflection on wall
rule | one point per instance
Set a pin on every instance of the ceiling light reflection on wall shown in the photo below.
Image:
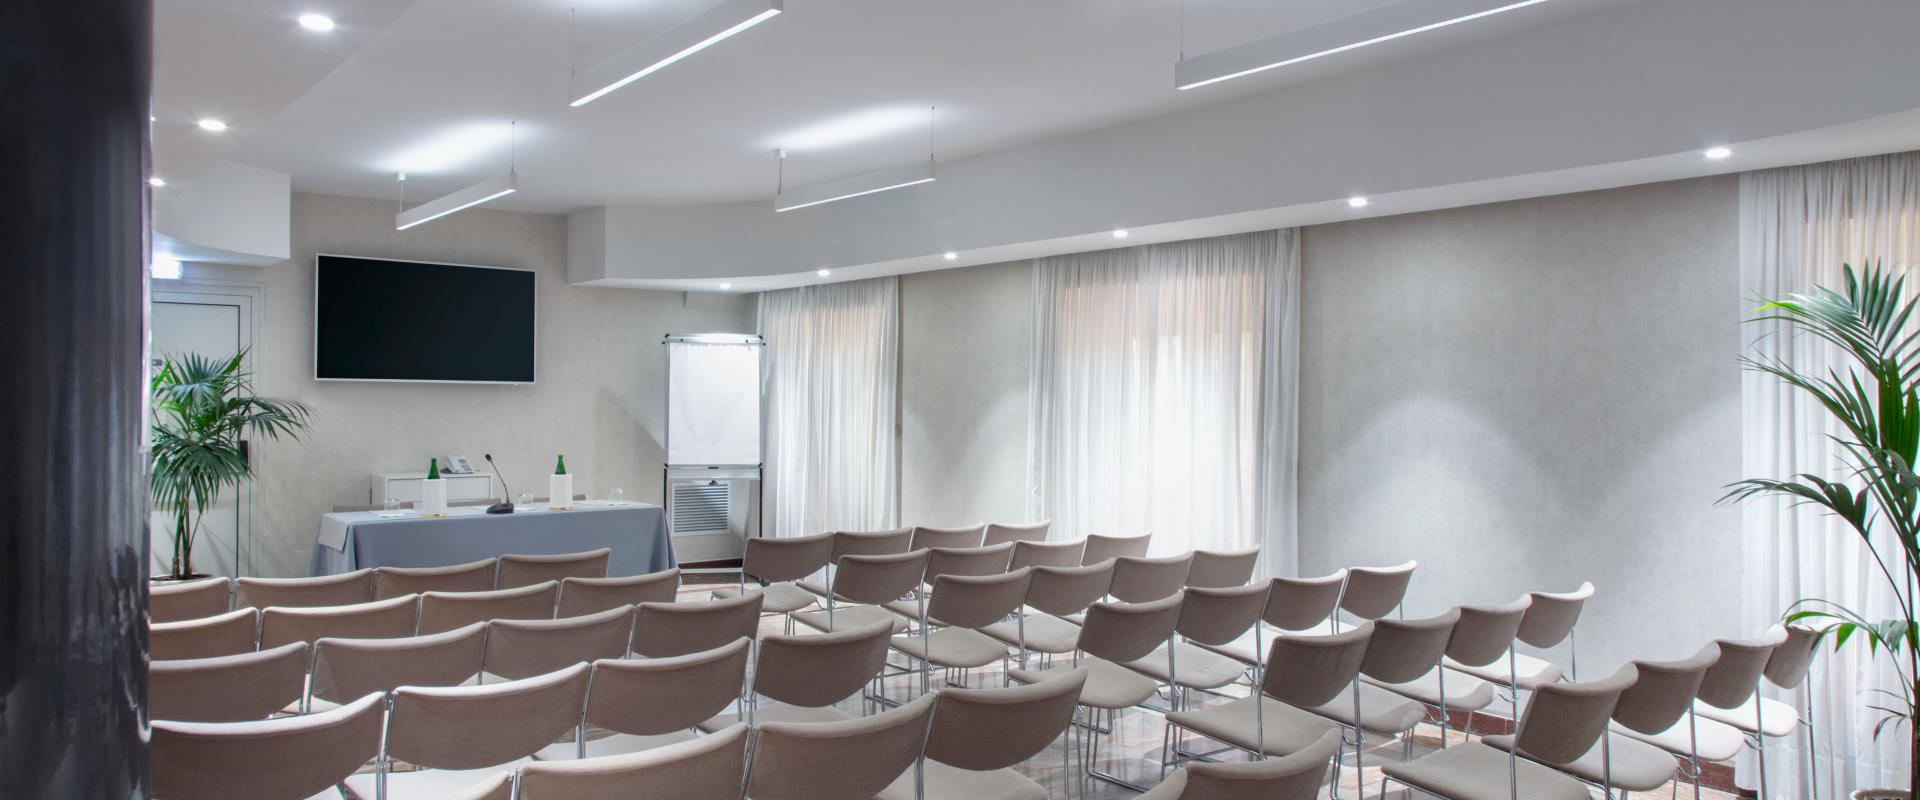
(452, 148)
(851, 128)
(718, 23)
(1353, 32)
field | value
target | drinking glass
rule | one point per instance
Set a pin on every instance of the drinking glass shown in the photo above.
(616, 496)
(393, 504)
(526, 499)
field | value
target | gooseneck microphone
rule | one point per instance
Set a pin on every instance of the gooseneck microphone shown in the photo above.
(505, 506)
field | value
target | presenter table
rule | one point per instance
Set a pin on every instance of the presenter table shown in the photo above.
(636, 532)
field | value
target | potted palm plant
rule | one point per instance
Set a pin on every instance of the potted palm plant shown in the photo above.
(203, 411)
(1876, 400)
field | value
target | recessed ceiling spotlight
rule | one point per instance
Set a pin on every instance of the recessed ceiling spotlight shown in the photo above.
(1356, 202)
(165, 268)
(214, 125)
(1717, 153)
(319, 23)
(725, 285)
(156, 182)
(1119, 233)
(824, 273)
(951, 256)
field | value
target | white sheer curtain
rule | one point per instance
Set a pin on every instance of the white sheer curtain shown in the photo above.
(832, 398)
(1798, 225)
(1164, 394)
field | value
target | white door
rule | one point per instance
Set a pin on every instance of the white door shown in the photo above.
(215, 323)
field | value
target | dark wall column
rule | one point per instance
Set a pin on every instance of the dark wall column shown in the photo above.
(75, 83)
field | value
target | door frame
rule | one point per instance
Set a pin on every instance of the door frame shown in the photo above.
(248, 296)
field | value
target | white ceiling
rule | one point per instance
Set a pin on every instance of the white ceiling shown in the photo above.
(429, 86)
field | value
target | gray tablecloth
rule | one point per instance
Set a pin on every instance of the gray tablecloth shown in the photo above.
(636, 532)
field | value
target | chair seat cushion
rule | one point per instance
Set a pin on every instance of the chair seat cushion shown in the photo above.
(1288, 729)
(1381, 711)
(1240, 650)
(1109, 685)
(426, 784)
(952, 647)
(1636, 765)
(848, 618)
(1196, 668)
(1046, 633)
(1718, 741)
(612, 745)
(1475, 771)
(1169, 789)
(910, 609)
(1464, 692)
(1532, 672)
(1779, 718)
(952, 783)
(781, 598)
(777, 712)
(812, 587)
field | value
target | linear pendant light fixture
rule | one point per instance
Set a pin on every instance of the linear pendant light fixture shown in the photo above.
(721, 21)
(1353, 32)
(491, 189)
(845, 188)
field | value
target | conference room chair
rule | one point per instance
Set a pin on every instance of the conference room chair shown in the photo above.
(807, 676)
(1144, 580)
(1369, 593)
(344, 669)
(780, 564)
(459, 735)
(1213, 616)
(1562, 722)
(664, 630)
(925, 537)
(498, 786)
(955, 562)
(581, 596)
(380, 619)
(183, 600)
(1047, 554)
(1399, 651)
(963, 604)
(1761, 718)
(1483, 638)
(837, 760)
(473, 576)
(344, 589)
(1002, 533)
(444, 611)
(289, 758)
(1103, 548)
(979, 735)
(651, 702)
(236, 688)
(236, 631)
(1293, 605)
(861, 543)
(526, 570)
(1053, 594)
(1729, 684)
(1292, 777)
(1219, 569)
(708, 768)
(1549, 622)
(868, 583)
(523, 648)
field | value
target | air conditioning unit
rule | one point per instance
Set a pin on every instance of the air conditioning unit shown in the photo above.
(701, 508)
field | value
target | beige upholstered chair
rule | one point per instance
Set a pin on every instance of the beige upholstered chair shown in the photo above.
(925, 537)
(1002, 533)
(868, 582)
(1301, 672)
(649, 702)
(1293, 605)
(1212, 616)
(475, 576)
(1144, 580)
(980, 734)
(1399, 651)
(1730, 683)
(234, 688)
(236, 631)
(185, 600)
(292, 758)
(1562, 722)
(462, 734)
(526, 570)
(498, 786)
(344, 589)
(861, 543)
(664, 630)
(963, 604)
(708, 768)
(1220, 569)
(344, 669)
(1053, 594)
(581, 596)
(380, 619)
(1047, 554)
(781, 564)
(1483, 638)
(1369, 593)
(1549, 621)
(1292, 777)
(523, 648)
(807, 675)
(444, 611)
(838, 760)
(1760, 717)
(1104, 548)
(956, 562)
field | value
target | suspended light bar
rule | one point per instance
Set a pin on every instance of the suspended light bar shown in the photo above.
(469, 197)
(1383, 24)
(694, 35)
(883, 180)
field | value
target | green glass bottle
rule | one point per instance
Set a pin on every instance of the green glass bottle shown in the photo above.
(433, 469)
(560, 466)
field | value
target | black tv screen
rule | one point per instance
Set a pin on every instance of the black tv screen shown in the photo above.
(381, 320)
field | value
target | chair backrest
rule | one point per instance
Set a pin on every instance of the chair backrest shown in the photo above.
(183, 600)
(1564, 720)
(837, 760)
(1307, 671)
(1122, 632)
(1736, 676)
(1219, 616)
(344, 589)
(524, 648)
(1068, 590)
(989, 729)
(663, 630)
(1297, 604)
(1552, 616)
(967, 561)
(877, 579)
(1143, 580)
(348, 668)
(227, 688)
(707, 768)
(526, 570)
(444, 611)
(474, 576)
(976, 601)
(1374, 592)
(925, 538)
(236, 631)
(1664, 691)
(818, 671)
(872, 543)
(580, 596)
(1402, 650)
(290, 757)
(1295, 776)
(1788, 665)
(498, 786)
(469, 727)
(1219, 569)
(786, 559)
(1047, 554)
(1002, 533)
(1484, 633)
(380, 619)
(655, 696)
(1102, 548)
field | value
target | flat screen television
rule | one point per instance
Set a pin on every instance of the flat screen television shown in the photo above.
(378, 319)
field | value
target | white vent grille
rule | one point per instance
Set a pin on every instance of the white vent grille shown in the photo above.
(700, 508)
